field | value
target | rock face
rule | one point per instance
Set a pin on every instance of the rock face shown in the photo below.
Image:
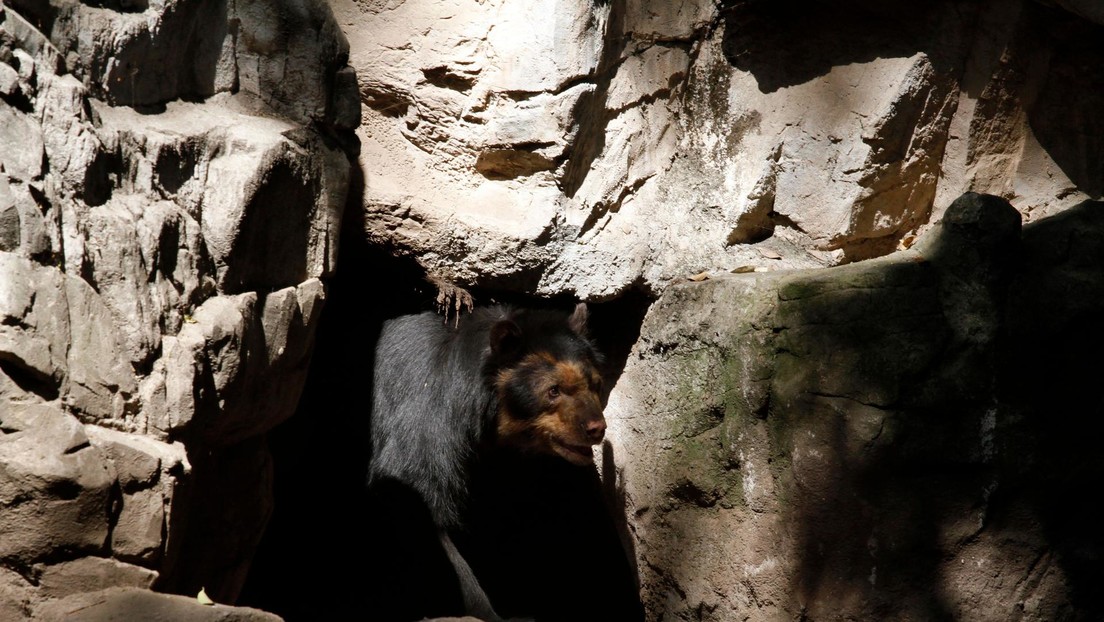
(589, 147)
(851, 427)
(868, 441)
(864, 441)
(172, 183)
(129, 604)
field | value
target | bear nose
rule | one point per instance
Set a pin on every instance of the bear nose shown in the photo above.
(596, 429)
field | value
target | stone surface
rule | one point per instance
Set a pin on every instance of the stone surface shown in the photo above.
(173, 177)
(16, 596)
(58, 488)
(91, 574)
(22, 137)
(9, 81)
(285, 54)
(137, 535)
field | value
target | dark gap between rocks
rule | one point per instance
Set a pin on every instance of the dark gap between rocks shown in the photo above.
(316, 556)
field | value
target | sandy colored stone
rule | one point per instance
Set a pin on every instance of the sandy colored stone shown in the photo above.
(133, 603)
(91, 574)
(54, 486)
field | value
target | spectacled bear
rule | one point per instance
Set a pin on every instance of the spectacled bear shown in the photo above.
(450, 400)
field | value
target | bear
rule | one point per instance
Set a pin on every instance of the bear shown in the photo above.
(452, 402)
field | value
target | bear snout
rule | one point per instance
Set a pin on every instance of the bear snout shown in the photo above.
(595, 430)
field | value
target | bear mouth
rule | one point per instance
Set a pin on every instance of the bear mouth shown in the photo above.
(576, 454)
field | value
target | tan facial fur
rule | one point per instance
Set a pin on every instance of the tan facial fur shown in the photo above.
(568, 411)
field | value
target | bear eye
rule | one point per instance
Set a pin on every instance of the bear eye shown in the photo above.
(554, 392)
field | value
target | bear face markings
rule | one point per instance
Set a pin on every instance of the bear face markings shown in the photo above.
(551, 404)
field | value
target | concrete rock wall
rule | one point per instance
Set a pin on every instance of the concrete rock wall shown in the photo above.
(173, 176)
(588, 147)
(844, 430)
(172, 183)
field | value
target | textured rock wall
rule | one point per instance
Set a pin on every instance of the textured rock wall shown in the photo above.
(589, 147)
(173, 175)
(857, 442)
(172, 182)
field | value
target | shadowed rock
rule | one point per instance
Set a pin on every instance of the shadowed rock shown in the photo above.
(855, 441)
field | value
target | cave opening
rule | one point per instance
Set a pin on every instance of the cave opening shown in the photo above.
(315, 554)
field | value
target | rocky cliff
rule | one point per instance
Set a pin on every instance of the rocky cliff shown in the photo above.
(853, 394)
(591, 147)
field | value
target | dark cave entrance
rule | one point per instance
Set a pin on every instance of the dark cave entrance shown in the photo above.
(314, 556)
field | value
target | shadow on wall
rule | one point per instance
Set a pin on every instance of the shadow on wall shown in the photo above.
(1048, 65)
(591, 108)
(313, 559)
(876, 409)
(938, 427)
(197, 49)
(146, 72)
(785, 44)
(271, 251)
(1064, 112)
(1049, 381)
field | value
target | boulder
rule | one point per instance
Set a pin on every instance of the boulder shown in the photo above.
(626, 145)
(836, 443)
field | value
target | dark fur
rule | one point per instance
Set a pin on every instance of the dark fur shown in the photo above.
(444, 392)
(427, 412)
(541, 540)
(434, 399)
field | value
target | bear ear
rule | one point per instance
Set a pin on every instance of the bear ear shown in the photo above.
(578, 319)
(505, 338)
